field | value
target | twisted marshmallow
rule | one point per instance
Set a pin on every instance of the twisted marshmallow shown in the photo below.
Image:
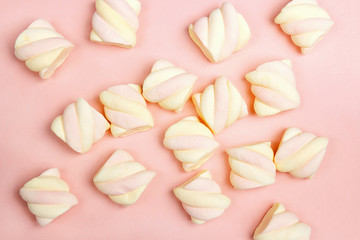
(300, 153)
(274, 87)
(80, 126)
(126, 109)
(221, 34)
(306, 22)
(252, 166)
(279, 224)
(42, 48)
(122, 178)
(192, 142)
(220, 105)
(48, 196)
(115, 22)
(201, 198)
(168, 85)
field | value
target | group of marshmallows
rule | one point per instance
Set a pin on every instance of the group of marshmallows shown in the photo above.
(115, 22)
(123, 179)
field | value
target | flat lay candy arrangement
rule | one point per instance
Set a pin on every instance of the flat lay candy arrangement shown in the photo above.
(167, 141)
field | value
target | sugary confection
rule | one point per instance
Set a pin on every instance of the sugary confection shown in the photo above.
(220, 105)
(221, 34)
(306, 22)
(252, 166)
(126, 109)
(42, 48)
(80, 126)
(201, 198)
(300, 153)
(192, 142)
(122, 178)
(280, 224)
(168, 85)
(115, 22)
(48, 196)
(273, 84)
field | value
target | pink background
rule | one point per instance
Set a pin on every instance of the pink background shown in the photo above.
(327, 79)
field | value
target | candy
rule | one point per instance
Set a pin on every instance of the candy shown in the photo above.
(192, 142)
(48, 196)
(220, 105)
(42, 48)
(221, 34)
(274, 87)
(201, 198)
(252, 166)
(122, 178)
(126, 109)
(168, 85)
(306, 22)
(280, 224)
(300, 153)
(80, 126)
(115, 22)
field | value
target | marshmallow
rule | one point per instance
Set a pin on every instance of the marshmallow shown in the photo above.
(221, 34)
(48, 196)
(252, 166)
(168, 85)
(115, 22)
(126, 109)
(274, 87)
(300, 153)
(42, 48)
(279, 224)
(80, 126)
(192, 142)
(122, 178)
(220, 105)
(306, 22)
(201, 198)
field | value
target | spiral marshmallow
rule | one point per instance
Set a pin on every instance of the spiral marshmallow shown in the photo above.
(42, 48)
(115, 22)
(201, 198)
(306, 22)
(221, 34)
(220, 105)
(252, 166)
(279, 224)
(300, 153)
(192, 142)
(126, 109)
(168, 85)
(274, 87)
(80, 126)
(48, 196)
(122, 178)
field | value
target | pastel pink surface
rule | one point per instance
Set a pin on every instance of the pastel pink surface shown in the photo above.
(327, 80)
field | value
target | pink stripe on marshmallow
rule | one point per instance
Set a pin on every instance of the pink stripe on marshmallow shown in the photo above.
(171, 86)
(273, 99)
(40, 47)
(232, 30)
(293, 145)
(221, 107)
(125, 11)
(72, 128)
(204, 214)
(125, 185)
(106, 32)
(124, 120)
